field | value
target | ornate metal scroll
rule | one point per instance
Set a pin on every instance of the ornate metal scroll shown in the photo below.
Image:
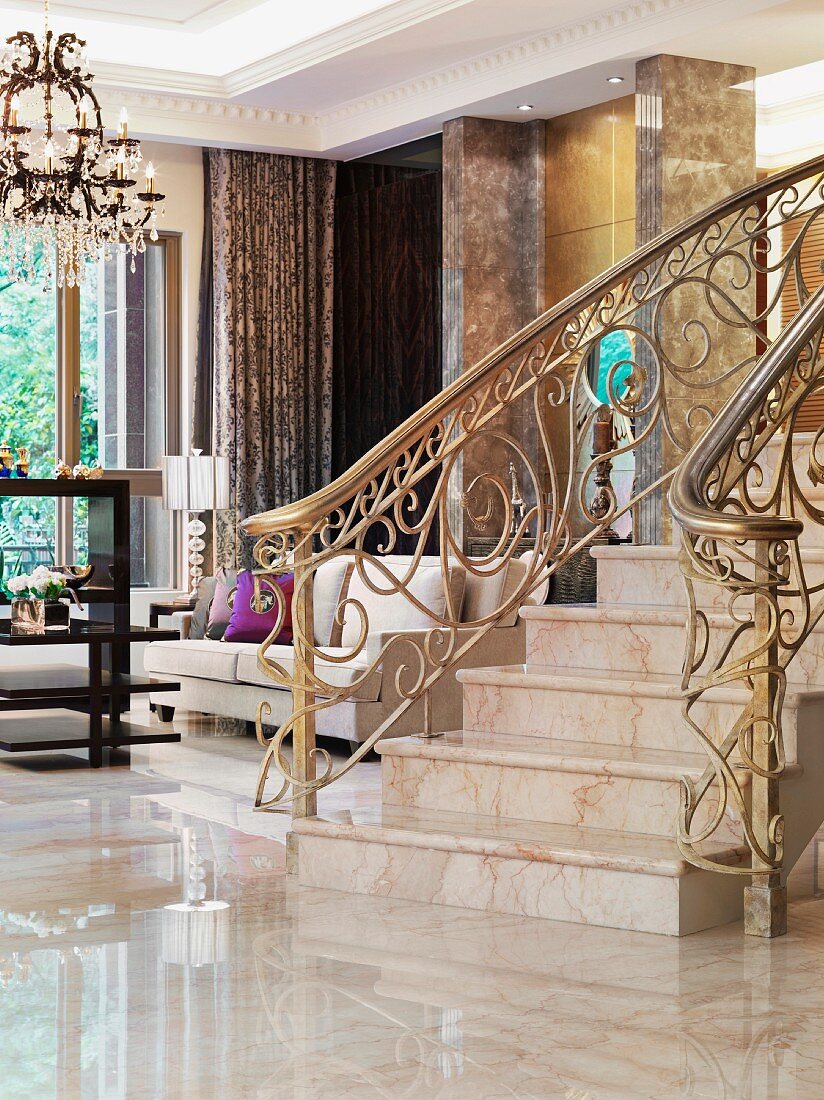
(741, 521)
(696, 308)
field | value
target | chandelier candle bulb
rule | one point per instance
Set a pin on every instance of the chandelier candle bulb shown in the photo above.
(49, 155)
(124, 124)
(14, 112)
(150, 178)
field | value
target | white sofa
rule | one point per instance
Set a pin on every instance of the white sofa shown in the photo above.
(222, 678)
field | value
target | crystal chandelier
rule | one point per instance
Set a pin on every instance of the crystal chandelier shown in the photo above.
(66, 194)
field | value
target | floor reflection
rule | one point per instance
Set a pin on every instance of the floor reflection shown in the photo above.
(151, 945)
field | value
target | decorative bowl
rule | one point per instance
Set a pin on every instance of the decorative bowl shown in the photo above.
(76, 575)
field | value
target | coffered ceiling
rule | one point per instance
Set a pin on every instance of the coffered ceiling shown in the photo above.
(344, 77)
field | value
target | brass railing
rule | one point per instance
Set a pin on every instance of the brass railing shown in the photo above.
(695, 310)
(740, 527)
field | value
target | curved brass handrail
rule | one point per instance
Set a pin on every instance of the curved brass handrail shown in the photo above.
(740, 536)
(687, 494)
(694, 310)
(305, 512)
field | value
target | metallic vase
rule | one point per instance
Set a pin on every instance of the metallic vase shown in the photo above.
(28, 616)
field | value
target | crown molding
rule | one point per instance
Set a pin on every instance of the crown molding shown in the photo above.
(214, 122)
(174, 98)
(791, 110)
(529, 52)
(348, 36)
(137, 78)
(519, 65)
(314, 50)
(790, 131)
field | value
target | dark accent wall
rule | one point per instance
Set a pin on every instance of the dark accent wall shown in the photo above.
(387, 320)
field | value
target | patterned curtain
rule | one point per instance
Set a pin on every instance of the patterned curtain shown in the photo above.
(202, 423)
(272, 257)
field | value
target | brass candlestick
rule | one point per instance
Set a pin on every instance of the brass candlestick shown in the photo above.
(603, 443)
(518, 504)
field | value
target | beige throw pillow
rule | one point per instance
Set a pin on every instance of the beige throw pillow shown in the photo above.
(395, 612)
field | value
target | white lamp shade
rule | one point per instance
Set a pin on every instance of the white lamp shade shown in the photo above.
(195, 483)
(195, 934)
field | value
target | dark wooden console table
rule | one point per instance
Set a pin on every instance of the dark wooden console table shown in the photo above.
(68, 689)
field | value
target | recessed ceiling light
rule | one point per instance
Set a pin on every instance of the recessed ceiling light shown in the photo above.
(525, 107)
(615, 80)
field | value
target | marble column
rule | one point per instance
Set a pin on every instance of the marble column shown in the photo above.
(493, 260)
(695, 144)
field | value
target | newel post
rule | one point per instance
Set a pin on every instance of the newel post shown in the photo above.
(765, 901)
(303, 733)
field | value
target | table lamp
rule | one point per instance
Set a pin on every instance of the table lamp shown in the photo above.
(195, 483)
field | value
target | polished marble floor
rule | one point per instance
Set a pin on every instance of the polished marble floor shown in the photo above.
(152, 946)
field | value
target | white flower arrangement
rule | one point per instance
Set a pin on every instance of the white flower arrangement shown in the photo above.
(41, 584)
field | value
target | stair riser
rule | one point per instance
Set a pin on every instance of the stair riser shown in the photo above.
(656, 581)
(659, 581)
(582, 895)
(639, 647)
(594, 800)
(637, 721)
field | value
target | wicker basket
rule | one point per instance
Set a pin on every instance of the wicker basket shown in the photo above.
(575, 581)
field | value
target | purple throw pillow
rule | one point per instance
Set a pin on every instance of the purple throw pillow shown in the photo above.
(248, 625)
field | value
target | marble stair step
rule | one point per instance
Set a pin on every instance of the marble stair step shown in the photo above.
(637, 638)
(560, 872)
(642, 710)
(565, 782)
(651, 575)
(812, 537)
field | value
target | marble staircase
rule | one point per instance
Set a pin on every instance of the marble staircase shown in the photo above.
(558, 798)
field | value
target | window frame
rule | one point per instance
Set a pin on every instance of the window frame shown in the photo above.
(68, 403)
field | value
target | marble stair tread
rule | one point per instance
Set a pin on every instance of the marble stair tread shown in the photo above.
(624, 613)
(628, 614)
(530, 841)
(657, 685)
(547, 754)
(630, 552)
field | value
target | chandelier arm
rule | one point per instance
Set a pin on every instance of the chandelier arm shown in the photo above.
(65, 191)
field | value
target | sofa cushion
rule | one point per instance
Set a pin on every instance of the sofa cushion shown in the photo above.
(220, 611)
(393, 611)
(488, 590)
(338, 675)
(200, 613)
(328, 585)
(199, 657)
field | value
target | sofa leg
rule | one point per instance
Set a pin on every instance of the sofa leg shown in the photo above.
(165, 714)
(370, 757)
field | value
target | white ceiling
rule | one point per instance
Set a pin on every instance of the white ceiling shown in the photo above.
(345, 77)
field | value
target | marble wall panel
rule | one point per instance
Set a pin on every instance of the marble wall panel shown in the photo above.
(590, 171)
(695, 143)
(590, 218)
(493, 277)
(573, 258)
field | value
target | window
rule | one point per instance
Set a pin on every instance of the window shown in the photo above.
(28, 352)
(613, 349)
(92, 375)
